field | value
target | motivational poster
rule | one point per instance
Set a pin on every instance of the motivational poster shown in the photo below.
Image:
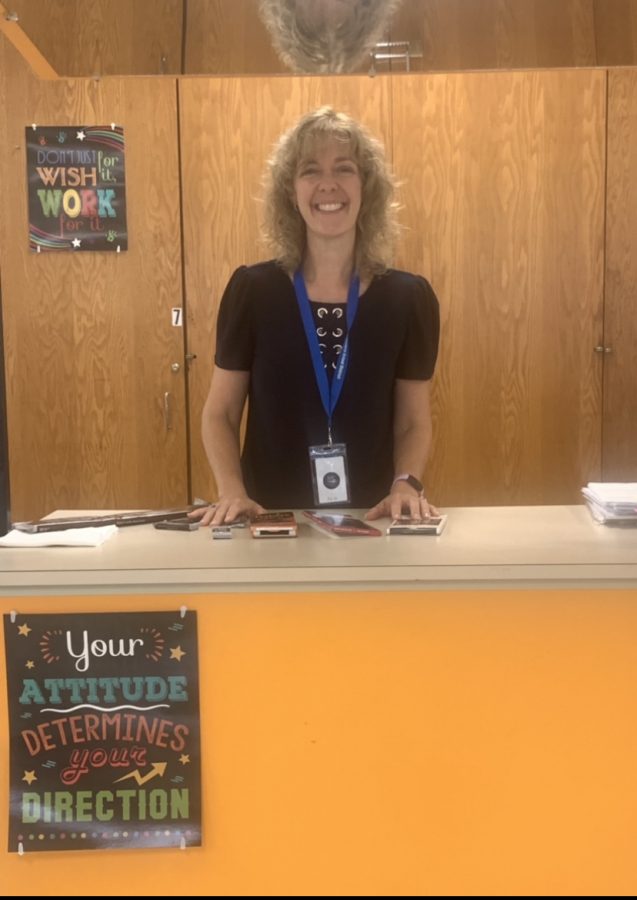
(104, 731)
(77, 189)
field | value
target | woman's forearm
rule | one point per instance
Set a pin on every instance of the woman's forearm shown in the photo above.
(220, 429)
(222, 445)
(413, 428)
(412, 447)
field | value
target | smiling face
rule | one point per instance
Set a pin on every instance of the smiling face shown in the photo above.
(327, 190)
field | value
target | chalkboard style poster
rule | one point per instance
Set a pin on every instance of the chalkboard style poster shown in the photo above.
(77, 189)
(104, 731)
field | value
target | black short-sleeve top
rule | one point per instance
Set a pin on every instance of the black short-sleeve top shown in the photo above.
(259, 330)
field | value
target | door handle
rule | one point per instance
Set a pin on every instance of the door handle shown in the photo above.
(167, 412)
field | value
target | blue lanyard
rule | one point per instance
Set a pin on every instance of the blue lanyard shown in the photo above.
(330, 393)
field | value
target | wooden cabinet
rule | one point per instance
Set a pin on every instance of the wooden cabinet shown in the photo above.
(97, 416)
(503, 210)
(619, 447)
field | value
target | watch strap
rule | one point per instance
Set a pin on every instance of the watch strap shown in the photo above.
(412, 481)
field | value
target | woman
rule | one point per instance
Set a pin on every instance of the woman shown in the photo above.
(333, 350)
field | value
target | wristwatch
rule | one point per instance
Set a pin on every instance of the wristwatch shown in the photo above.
(412, 481)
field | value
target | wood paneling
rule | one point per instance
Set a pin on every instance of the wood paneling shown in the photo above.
(620, 321)
(17, 36)
(504, 208)
(496, 34)
(226, 38)
(504, 197)
(616, 32)
(88, 336)
(228, 127)
(5, 500)
(105, 37)
(504, 178)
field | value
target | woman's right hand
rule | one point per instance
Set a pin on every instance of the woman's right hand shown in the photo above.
(227, 509)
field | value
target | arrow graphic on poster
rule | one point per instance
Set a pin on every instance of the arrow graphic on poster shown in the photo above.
(155, 769)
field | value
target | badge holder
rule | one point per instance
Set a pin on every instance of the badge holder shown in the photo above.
(330, 480)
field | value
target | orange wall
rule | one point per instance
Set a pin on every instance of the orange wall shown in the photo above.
(415, 743)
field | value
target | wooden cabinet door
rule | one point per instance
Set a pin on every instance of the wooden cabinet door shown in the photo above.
(228, 127)
(619, 451)
(504, 212)
(96, 413)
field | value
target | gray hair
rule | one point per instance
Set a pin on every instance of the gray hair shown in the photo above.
(310, 37)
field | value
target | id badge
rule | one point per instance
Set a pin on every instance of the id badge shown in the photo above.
(329, 474)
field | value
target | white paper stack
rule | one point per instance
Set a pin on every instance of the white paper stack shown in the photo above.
(612, 503)
(71, 537)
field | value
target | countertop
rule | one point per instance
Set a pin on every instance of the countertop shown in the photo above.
(481, 547)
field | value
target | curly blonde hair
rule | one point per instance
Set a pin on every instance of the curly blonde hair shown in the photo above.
(310, 38)
(376, 226)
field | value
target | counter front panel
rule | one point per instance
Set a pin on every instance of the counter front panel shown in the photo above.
(402, 743)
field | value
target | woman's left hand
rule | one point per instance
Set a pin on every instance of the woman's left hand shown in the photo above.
(402, 501)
